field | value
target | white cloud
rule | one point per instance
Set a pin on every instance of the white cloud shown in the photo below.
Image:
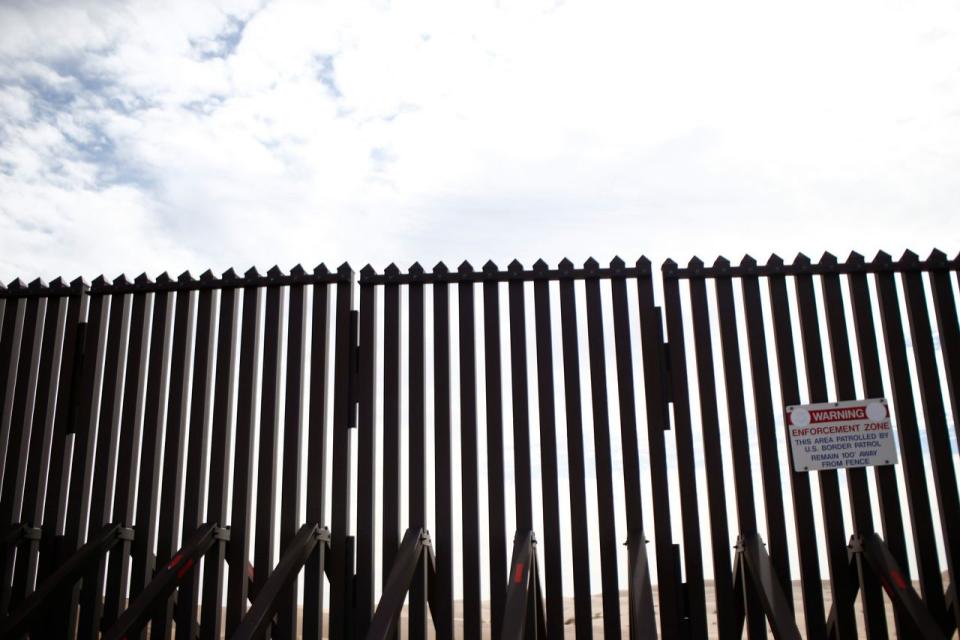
(287, 131)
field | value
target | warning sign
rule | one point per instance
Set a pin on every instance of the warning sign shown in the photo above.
(835, 435)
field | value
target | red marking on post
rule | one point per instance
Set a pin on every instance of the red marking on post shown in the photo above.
(518, 574)
(185, 568)
(898, 579)
(174, 561)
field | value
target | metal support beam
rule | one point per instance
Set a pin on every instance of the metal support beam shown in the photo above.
(951, 605)
(61, 582)
(413, 551)
(268, 601)
(643, 623)
(155, 594)
(743, 593)
(897, 584)
(523, 614)
(758, 570)
(20, 532)
(855, 560)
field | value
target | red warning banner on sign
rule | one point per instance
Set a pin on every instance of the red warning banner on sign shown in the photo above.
(848, 414)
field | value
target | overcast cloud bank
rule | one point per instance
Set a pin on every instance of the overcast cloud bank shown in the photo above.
(145, 136)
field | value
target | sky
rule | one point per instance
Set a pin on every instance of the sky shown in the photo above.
(186, 135)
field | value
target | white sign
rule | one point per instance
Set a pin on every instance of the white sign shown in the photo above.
(836, 435)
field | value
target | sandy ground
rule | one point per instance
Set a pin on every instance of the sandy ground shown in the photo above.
(597, 609)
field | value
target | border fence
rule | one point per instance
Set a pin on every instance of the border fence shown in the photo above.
(447, 453)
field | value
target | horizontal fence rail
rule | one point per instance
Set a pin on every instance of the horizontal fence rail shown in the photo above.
(528, 451)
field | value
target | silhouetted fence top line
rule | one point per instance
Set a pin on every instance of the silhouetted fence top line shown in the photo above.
(802, 264)
(184, 282)
(566, 270)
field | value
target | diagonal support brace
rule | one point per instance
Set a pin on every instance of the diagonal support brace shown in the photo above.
(897, 584)
(643, 623)
(754, 564)
(60, 582)
(164, 582)
(260, 616)
(523, 612)
(414, 550)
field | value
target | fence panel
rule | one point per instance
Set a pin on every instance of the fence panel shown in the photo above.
(143, 424)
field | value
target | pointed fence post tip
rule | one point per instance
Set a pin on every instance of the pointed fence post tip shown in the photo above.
(142, 280)
(164, 278)
(274, 272)
(515, 266)
(883, 257)
(368, 271)
(58, 283)
(440, 268)
(251, 273)
(541, 266)
(591, 264)
(937, 257)
(722, 265)
(321, 270)
(617, 264)
(775, 261)
(298, 271)
(230, 274)
(909, 257)
(415, 269)
(121, 281)
(99, 281)
(566, 265)
(186, 276)
(465, 267)
(37, 283)
(828, 259)
(855, 260)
